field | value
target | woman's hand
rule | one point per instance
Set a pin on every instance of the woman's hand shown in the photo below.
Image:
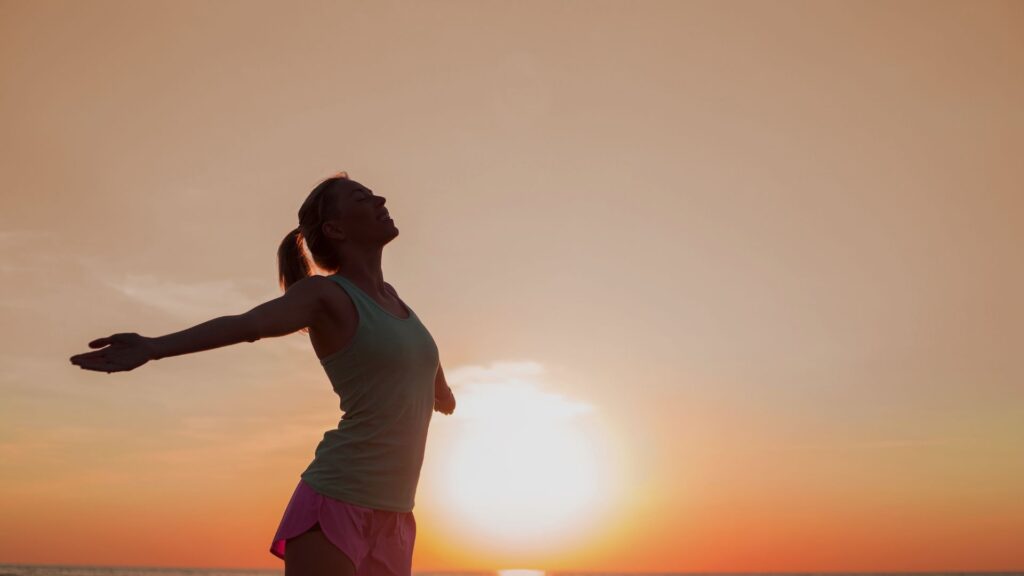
(445, 403)
(124, 351)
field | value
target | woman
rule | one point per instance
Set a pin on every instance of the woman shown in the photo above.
(351, 512)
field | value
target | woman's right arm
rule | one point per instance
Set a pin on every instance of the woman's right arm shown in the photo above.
(296, 309)
(300, 306)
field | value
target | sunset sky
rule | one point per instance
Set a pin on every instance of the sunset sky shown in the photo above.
(729, 286)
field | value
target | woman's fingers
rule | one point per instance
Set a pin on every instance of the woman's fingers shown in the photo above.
(103, 364)
(100, 342)
(100, 365)
(445, 405)
(88, 356)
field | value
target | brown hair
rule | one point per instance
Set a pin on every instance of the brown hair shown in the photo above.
(292, 264)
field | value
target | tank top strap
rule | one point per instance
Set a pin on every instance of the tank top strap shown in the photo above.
(357, 295)
(367, 306)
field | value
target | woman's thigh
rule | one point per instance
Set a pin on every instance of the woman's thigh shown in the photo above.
(312, 554)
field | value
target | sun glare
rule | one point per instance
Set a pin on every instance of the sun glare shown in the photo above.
(525, 467)
(520, 572)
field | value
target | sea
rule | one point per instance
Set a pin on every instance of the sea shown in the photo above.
(62, 570)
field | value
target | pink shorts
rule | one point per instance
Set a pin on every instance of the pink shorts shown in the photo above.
(379, 542)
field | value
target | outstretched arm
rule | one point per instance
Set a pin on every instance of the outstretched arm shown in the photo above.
(298, 308)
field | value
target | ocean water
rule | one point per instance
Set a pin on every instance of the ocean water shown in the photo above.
(59, 570)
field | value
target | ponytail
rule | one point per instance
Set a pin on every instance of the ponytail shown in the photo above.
(292, 265)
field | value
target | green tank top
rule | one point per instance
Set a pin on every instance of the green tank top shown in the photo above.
(385, 379)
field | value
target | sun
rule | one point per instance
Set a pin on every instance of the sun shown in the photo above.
(523, 467)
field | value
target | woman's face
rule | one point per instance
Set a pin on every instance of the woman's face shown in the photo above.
(360, 215)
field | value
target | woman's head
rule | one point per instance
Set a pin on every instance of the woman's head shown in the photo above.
(340, 216)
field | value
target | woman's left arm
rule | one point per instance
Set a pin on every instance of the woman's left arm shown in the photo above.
(444, 400)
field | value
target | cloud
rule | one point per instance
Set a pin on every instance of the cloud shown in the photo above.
(509, 390)
(187, 300)
(497, 373)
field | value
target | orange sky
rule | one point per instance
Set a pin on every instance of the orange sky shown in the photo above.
(754, 267)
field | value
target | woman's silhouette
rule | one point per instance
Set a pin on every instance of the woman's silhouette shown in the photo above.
(351, 513)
